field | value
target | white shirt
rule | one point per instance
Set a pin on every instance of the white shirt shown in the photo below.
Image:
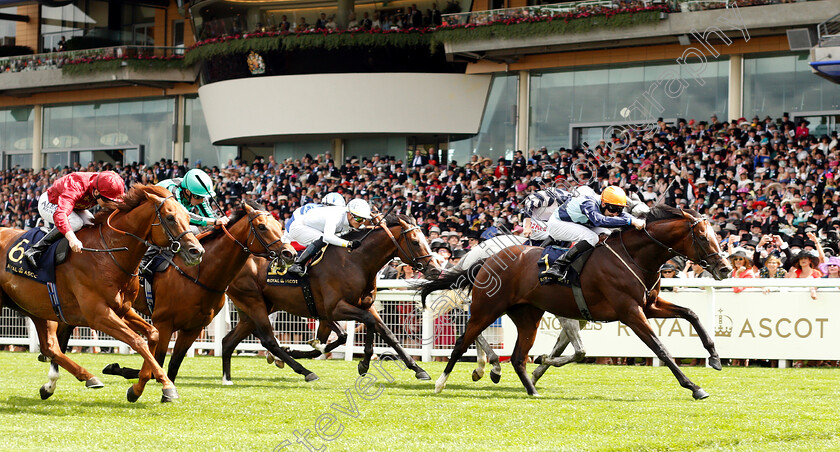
(331, 220)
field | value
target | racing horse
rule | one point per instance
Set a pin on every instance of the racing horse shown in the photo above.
(97, 289)
(343, 286)
(187, 299)
(569, 331)
(620, 282)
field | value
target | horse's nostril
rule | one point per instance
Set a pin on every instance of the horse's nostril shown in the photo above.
(195, 251)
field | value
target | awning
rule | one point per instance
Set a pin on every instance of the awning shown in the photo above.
(829, 68)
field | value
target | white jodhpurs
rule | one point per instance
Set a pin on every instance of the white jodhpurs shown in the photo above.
(303, 234)
(77, 218)
(574, 232)
(539, 230)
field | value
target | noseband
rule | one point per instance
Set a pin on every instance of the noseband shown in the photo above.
(269, 253)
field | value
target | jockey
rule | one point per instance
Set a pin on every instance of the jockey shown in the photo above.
(330, 199)
(324, 224)
(65, 205)
(537, 209)
(194, 192)
(582, 218)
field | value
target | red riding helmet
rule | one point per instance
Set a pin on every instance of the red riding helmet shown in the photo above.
(110, 185)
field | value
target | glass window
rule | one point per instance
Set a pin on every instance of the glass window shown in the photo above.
(16, 127)
(197, 145)
(497, 133)
(784, 83)
(85, 126)
(586, 99)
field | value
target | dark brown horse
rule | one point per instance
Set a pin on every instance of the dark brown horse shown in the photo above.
(343, 285)
(620, 282)
(97, 289)
(187, 299)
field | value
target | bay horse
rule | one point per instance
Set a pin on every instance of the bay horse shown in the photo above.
(620, 281)
(187, 299)
(343, 285)
(569, 328)
(96, 289)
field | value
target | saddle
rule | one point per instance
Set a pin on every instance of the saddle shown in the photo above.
(279, 276)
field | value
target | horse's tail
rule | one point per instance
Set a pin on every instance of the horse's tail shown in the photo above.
(453, 279)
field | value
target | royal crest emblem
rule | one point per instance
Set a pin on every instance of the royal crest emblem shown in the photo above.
(256, 64)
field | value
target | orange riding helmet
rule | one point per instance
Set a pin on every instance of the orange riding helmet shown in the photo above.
(615, 196)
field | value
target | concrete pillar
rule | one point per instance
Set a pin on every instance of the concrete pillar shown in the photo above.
(337, 151)
(178, 139)
(37, 137)
(736, 87)
(344, 9)
(523, 107)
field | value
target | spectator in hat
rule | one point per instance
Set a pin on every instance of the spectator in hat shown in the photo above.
(831, 267)
(805, 266)
(741, 261)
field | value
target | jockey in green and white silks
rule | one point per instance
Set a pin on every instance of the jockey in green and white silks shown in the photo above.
(194, 191)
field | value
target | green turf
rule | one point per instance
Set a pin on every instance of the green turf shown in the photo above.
(583, 407)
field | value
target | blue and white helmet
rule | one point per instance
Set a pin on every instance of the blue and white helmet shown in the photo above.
(333, 199)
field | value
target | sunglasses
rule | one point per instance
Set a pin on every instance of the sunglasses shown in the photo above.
(667, 271)
(358, 219)
(196, 197)
(613, 208)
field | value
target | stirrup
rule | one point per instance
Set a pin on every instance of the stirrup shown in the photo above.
(32, 258)
(298, 269)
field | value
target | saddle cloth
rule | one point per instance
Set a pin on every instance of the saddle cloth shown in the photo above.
(54, 255)
(551, 254)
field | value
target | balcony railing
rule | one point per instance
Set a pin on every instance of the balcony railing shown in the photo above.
(829, 32)
(56, 60)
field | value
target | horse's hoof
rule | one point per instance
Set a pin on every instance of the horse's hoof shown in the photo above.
(269, 358)
(494, 377)
(363, 367)
(700, 394)
(422, 375)
(94, 383)
(111, 369)
(44, 393)
(539, 359)
(310, 377)
(130, 395)
(534, 394)
(476, 376)
(169, 395)
(714, 363)
(279, 363)
(43, 358)
(226, 382)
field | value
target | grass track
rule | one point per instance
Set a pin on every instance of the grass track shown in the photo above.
(583, 407)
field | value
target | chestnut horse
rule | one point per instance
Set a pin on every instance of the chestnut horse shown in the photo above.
(96, 289)
(620, 281)
(343, 285)
(187, 299)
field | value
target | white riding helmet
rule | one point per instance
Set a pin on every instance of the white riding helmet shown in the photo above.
(359, 208)
(333, 199)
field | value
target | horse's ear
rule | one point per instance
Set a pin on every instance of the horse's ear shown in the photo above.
(687, 215)
(248, 208)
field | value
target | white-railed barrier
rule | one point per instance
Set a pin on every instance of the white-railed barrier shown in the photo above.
(785, 324)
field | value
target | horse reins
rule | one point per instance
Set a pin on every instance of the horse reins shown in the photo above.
(415, 264)
(269, 253)
(174, 244)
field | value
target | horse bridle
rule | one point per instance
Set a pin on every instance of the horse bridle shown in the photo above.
(415, 260)
(269, 253)
(174, 240)
(703, 261)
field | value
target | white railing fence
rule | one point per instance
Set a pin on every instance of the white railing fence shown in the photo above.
(784, 324)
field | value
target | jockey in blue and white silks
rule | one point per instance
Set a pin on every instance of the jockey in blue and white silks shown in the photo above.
(330, 199)
(537, 209)
(324, 224)
(582, 218)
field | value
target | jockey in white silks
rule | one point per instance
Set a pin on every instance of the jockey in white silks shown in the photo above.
(325, 224)
(330, 199)
(582, 218)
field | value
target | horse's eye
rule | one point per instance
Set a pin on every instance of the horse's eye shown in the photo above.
(262, 227)
(170, 218)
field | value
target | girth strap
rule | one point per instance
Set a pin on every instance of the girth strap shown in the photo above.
(581, 303)
(310, 299)
(56, 305)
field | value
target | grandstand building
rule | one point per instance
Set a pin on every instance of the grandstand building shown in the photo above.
(214, 80)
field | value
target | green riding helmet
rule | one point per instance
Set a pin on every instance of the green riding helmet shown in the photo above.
(198, 183)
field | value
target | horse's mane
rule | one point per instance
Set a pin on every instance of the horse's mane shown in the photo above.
(390, 220)
(239, 214)
(133, 198)
(666, 212)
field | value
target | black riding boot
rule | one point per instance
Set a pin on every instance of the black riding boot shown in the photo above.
(560, 267)
(299, 266)
(34, 251)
